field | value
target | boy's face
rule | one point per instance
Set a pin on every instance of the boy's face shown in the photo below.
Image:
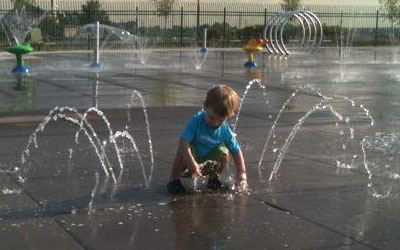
(212, 119)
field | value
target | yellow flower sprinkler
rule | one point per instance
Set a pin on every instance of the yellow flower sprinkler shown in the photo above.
(253, 45)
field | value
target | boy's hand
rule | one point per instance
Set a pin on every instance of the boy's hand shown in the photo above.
(195, 169)
(241, 178)
(188, 158)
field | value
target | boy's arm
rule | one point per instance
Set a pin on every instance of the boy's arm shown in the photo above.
(188, 158)
(240, 167)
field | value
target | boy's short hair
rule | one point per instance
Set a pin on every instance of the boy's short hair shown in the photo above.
(223, 100)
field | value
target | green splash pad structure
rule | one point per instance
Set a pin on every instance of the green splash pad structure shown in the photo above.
(19, 51)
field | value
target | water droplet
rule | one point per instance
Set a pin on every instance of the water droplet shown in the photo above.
(11, 191)
(20, 180)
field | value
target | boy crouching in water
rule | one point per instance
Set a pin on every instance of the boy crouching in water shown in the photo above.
(207, 136)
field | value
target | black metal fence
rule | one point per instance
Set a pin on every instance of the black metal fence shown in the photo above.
(228, 25)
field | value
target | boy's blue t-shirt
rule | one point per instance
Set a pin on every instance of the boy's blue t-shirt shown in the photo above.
(203, 138)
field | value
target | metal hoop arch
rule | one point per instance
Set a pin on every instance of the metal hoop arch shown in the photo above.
(312, 31)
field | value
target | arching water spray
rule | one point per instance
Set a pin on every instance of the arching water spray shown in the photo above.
(146, 118)
(381, 161)
(59, 113)
(325, 104)
(329, 99)
(258, 81)
(136, 93)
(290, 138)
(271, 133)
(111, 134)
(125, 134)
(93, 194)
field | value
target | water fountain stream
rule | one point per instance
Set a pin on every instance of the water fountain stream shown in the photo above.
(381, 154)
(100, 34)
(72, 115)
(324, 105)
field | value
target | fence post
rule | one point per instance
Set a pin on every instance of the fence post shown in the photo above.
(137, 19)
(181, 26)
(341, 33)
(265, 17)
(224, 29)
(376, 28)
(198, 21)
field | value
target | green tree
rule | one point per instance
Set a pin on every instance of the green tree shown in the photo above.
(291, 4)
(92, 12)
(215, 34)
(164, 7)
(250, 31)
(392, 7)
(19, 4)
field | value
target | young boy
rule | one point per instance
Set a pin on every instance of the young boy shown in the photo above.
(207, 136)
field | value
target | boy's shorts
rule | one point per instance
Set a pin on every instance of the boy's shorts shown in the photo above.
(214, 155)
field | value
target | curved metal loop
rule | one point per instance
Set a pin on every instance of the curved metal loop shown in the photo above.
(314, 37)
(321, 32)
(300, 20)
(268, 26)
(305, 18)
(303, 29)
(279, 41)
(272, 40)
(312, 31)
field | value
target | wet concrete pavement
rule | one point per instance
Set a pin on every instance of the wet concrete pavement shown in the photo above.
(315, 201)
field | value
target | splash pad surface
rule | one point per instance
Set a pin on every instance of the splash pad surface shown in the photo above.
(312, 202)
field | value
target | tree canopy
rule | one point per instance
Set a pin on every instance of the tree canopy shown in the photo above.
(164, 7)
(92, 12)
(291, 4)
(392, 7)
(19, 4)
